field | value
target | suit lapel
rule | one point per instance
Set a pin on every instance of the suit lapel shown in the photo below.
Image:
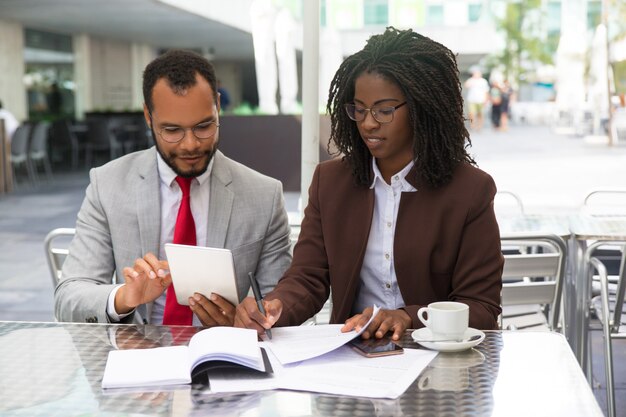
(148, 203)
(220, 202)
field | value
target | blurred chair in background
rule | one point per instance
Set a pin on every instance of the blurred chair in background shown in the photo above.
(38, 150)
(611, 314)
(508, 203)
(532, 283)
(64, 143)
(56, 245)
(19, 153)
(100, 139)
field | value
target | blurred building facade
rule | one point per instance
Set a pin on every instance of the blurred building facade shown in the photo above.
(96, 50)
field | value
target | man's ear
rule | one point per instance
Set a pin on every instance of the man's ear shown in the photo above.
(218, 103)
(146, 115)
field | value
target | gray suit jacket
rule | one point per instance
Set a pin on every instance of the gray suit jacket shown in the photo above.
(119, 221)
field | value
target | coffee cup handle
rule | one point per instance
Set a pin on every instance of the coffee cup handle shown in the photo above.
(423, 382)
(420, 315)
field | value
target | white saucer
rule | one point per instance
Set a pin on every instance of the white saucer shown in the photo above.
(425, 334)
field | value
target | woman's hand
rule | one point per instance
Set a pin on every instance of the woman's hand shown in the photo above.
(212, 311)
(396, 321)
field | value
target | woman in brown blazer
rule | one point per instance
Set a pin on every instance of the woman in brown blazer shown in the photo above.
(404, 218)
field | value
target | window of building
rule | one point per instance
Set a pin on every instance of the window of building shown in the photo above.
(375, 12)
(473, 12)
(434, 14)
(553, 18)
(49, 74)
(323, 13)
(594, 14)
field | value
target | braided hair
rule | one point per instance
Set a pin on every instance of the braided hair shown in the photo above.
(427, 74)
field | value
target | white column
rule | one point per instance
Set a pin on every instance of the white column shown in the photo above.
(82, 75)
(287, 68)
(141, 56)
(310, 102)
(12, 90)
(570, 63)
(262, 15)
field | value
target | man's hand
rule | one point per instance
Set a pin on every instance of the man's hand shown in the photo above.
(144, 283)
(249, 316)
(212, 311)
(395, 320)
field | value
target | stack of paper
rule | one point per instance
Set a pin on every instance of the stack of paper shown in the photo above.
(303, 358)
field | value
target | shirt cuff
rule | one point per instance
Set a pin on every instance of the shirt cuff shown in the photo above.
(113, 315)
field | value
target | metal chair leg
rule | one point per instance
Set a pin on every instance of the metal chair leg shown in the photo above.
(608, 349)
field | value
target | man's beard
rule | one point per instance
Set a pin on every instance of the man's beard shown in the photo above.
(169, 159)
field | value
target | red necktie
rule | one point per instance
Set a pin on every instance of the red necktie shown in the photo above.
(184, 234)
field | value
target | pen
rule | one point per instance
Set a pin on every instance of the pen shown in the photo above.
(259, 299)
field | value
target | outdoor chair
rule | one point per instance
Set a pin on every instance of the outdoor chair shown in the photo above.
(611, 314)
(100, 139)
(56, 245)
(508, 203)
(38, 149)
(532, 281)
(64, 142)
(19, 153)
(606, 202)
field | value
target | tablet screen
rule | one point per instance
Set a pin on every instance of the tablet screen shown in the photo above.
(202, 270)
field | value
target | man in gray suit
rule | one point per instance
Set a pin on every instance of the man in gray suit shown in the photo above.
(131, 205)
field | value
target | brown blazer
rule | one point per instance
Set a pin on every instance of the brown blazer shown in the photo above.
(447, 246)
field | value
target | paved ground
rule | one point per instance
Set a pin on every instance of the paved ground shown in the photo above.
(551, 173)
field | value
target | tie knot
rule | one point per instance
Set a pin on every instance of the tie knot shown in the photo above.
(185, 184)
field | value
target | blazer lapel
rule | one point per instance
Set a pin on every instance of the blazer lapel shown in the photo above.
(220, 202)
(149, 203)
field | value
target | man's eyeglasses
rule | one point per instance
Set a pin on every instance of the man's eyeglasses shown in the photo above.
(382, 114)
(202, 131)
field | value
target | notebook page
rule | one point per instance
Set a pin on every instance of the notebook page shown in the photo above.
(228, 344)
(147, 367)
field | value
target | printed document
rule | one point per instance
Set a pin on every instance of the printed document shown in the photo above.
(339, 372)
(298, 343)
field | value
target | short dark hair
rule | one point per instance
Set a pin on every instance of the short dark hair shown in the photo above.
(179, 67)
(427, 74)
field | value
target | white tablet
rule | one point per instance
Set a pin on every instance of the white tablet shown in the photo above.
(202, 270)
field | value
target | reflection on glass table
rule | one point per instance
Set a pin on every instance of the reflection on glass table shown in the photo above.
(56, 369)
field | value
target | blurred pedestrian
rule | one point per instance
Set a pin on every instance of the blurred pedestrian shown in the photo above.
(10, 122)
(224, 96)
(508, 95)
(477, 95)
(55, 100)
(495, 97)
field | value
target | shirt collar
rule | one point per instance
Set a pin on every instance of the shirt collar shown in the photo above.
(167, 174)
(397, 178)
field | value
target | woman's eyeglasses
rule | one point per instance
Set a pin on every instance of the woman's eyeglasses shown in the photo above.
(382, 114)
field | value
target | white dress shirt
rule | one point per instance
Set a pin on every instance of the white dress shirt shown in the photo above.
(171, 196)
(378, 275)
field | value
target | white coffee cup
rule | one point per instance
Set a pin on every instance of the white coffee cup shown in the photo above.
(446, 319)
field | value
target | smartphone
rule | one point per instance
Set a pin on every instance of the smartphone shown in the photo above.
(374, 348)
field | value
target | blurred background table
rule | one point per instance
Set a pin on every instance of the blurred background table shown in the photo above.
(589, 234)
